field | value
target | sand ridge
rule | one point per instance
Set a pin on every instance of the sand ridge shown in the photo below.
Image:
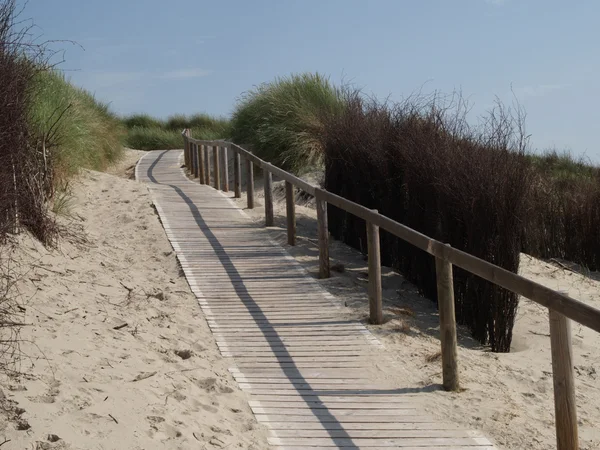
(118, 354)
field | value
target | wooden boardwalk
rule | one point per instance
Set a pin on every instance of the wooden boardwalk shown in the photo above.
(310, 374)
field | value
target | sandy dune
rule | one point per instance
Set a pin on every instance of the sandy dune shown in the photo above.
(117, 354)
(507, 396)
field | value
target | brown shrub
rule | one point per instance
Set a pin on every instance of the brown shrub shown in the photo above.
(25, 181)
(420, 164)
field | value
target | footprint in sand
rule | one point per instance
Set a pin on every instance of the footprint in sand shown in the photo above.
(154, 421)
(49, 396)
(213, 385)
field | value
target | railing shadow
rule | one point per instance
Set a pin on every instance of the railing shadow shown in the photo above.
(262, 322)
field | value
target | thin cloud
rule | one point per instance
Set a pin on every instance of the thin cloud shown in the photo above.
(496, 2)
(185, 74)
(539, 90)
(106, 79)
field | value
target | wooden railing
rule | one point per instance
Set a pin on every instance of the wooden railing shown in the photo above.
(561, 306)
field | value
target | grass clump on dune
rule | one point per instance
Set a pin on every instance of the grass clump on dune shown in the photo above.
(283, 120)
(142, 121)
(76, 130)
(564, 210)
(153, 138)
(148, 133)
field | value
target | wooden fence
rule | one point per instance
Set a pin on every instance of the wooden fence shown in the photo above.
(561, 307)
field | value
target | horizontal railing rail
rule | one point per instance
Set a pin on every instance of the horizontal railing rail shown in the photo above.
(560, 305)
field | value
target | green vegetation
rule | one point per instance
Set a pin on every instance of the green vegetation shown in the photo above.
(283, 120)
(563, 219)
(420, 163)
(142, 121)
(148, 133)
(563, 165)
(50, 129)
(153, 138)
(75, 129)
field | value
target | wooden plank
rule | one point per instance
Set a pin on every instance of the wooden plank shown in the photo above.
(228, 332)
(290, 206)
(317, 353)
(292, 346)
(339, 413)
(201, 164)
(564, 382)
(293, 427)
(296, 398)
(216, 168)
(307, 387)
(407, 418)
(233, 308)
(354, 447)
(302, 380)
(242, 313)
(307, 369)
(251, 364)
(207, 161)
(323, 232)
(281, 328)
(237, 174)
(331, 405)
(307, 374)
(376, 443)
(375, 298)
(250, 183)
(225, 165)
(193, 169)
(268, 188)
(186, 146)
(378, 434)
(445, 291)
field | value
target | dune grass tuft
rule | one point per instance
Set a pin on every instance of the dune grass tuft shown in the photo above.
(76, 129)
(148, 133)
(153, 138)
(283, 120)
(142, 121)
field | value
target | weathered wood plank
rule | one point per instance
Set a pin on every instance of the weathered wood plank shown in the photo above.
(308, 372)
(268, 188)
(290, 207)
(250, 183)
(445, 289)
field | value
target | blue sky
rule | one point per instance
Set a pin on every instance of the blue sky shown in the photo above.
(186, 56)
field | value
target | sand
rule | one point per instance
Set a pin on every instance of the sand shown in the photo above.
(116, 353)
(115, 309)
(507, 396)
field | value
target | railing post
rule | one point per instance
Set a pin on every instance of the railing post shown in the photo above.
(323, 232)
(564, 383)
(224, 154)
(186, 145)
(445, 291)
(196, 163)
(269, 219)
(207, 160)
(290, 206)
(185, 152)
(250, 183)
(201, 168)
(216, 170)
(375, 300)
(187, 158)
(237, 174)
